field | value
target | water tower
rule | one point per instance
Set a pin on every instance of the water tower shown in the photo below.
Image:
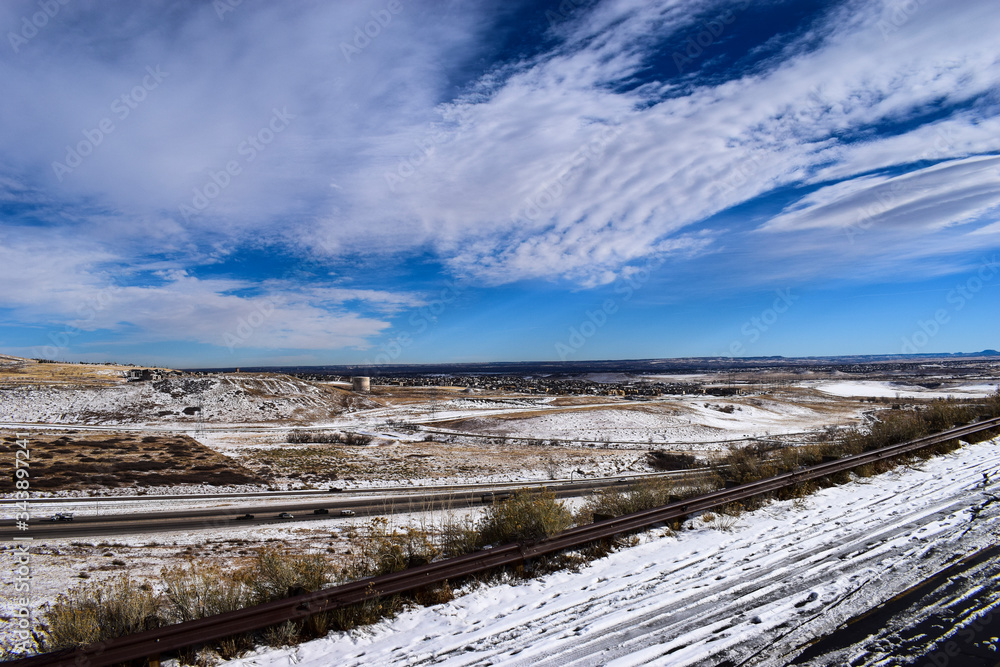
(361, 384)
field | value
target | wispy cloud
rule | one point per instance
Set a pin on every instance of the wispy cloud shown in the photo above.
(573, 159)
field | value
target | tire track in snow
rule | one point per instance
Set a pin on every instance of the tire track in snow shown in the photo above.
(866, 551)
(633, 608)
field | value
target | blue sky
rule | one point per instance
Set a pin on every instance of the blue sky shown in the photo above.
(222, 184)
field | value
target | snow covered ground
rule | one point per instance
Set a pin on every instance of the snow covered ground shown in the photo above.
(233, 398)
(590, 436)
(870, 388)
(702, 422)
(754, 591)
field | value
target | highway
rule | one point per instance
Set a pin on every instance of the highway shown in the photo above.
(484, 486)
(208, 519)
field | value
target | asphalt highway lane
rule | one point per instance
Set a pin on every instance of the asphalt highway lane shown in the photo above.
(207, 519)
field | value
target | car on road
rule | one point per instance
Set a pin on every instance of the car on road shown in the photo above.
(285, 515)
(61, 516)
(245, 517)
(321, 510)
(347, 512)
(335, 489)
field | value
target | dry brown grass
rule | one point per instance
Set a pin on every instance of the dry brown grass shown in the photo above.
(569, 401)
(94, 612)
(525, 516)
(321, 463)
(613, 502)
(15, 371)
(107, 460)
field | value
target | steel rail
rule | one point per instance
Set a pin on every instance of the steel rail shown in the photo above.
(200, 631)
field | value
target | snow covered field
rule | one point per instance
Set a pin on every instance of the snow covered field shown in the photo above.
(702, 422)
(868, 388)
(588, 436)
(755, 591)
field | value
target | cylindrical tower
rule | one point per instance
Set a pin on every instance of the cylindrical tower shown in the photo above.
(361, 384)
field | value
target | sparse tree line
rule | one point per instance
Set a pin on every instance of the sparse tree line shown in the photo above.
(80, 363)
(328, 437)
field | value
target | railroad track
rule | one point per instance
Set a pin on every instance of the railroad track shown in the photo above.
(204, 630)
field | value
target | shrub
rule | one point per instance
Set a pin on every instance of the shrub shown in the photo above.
(525, 516)
(197, 591)
(660, 460)
(642, 495)
(357, 439)
(458, 537)
(890, 429)
(751, 463)
(384, 550)
(305, 437)
(943, 414)
(94, 612)
(746, 464)
(274, 575)
(992, 405)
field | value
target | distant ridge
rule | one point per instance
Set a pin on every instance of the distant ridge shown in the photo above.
(668, 365)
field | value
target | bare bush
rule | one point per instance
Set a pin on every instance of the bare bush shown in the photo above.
(96, 612)
(525, 516)
(309, 437)
(458, 537)
(274, 575)
(196, 591)
(640, 496)
(327, 437)
(660, 460)
(385, 549)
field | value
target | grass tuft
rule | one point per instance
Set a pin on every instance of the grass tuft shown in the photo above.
(524, 516)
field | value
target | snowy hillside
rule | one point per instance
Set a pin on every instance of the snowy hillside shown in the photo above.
(229, 398)
(753, 590)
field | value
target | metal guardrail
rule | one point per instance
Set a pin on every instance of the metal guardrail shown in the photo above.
(192, 633)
